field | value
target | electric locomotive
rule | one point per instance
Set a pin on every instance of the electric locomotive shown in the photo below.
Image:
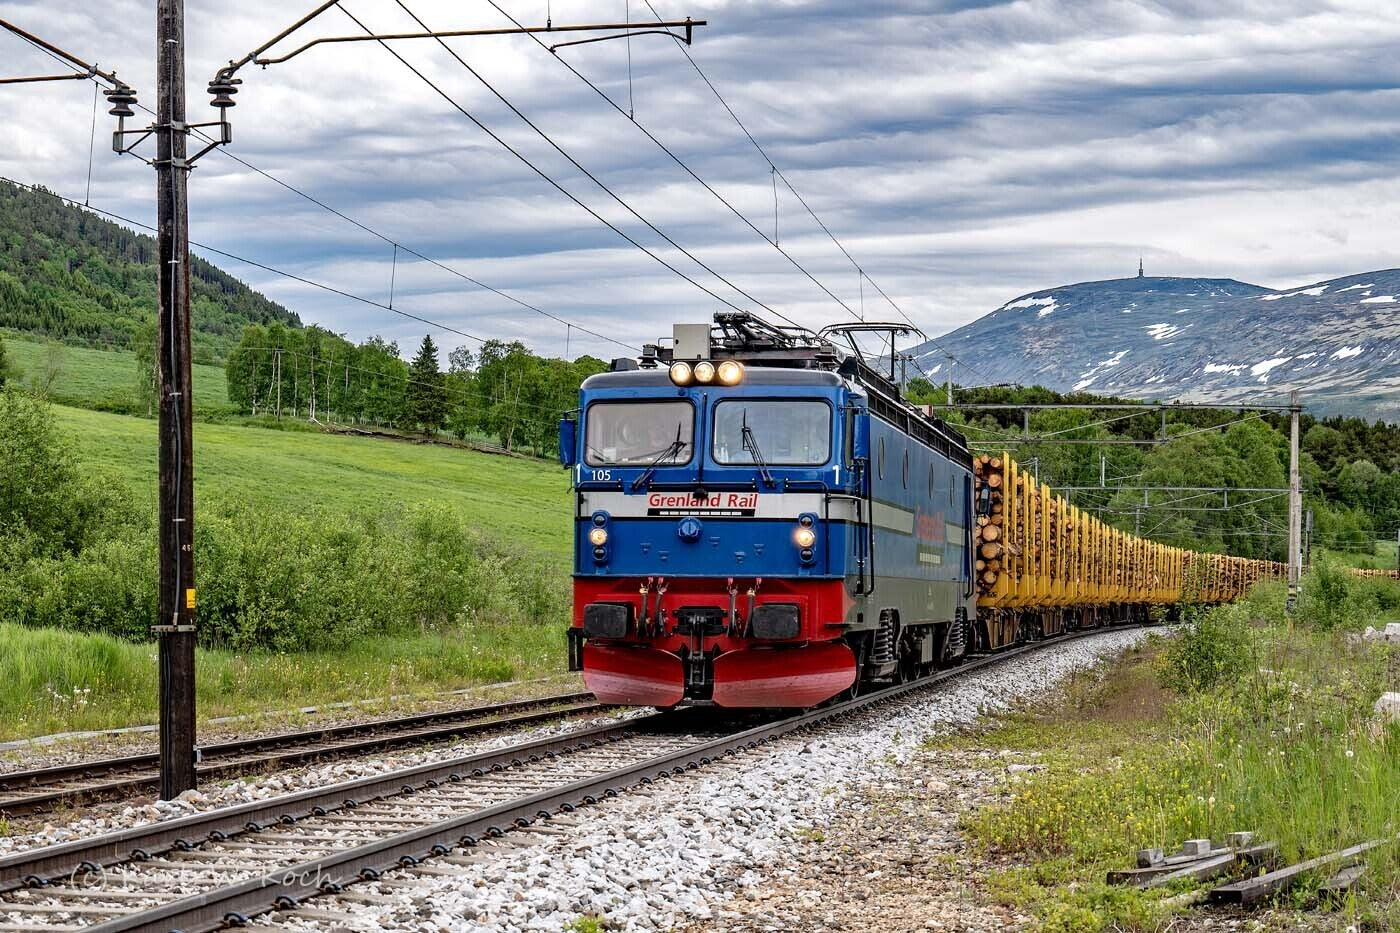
(762, 521)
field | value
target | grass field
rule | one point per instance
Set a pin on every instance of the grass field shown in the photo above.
(65, 681)
(521, 501)
(85, 376)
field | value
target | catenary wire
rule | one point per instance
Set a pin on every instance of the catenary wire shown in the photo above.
(772, 241)
(260, 265)
(361, 225)
(557, 185)
(803, 201)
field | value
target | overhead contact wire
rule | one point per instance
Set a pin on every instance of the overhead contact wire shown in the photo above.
(772, 241)
(552, 182)
(800, 199)
(350, 220)
(446, 328)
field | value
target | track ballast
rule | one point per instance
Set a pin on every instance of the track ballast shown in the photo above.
(45, 789)
(224, 867)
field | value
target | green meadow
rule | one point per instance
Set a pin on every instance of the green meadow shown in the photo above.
(99, 378)
(518, 501)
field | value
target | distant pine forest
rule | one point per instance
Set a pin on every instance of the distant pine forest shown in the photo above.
(70, 276)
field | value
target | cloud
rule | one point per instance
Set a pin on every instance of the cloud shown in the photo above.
(964, 153)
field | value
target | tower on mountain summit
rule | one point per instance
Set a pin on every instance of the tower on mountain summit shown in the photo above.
(1140, 267)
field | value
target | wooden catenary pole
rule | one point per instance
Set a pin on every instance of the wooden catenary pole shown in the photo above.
(176, 621)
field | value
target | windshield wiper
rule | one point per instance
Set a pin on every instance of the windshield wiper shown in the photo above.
(751, 445)
(672, 449)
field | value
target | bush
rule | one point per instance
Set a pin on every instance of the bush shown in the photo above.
(1213, 646)
(45, 503)
(267, 580)
(1334, 598)
(75, 555)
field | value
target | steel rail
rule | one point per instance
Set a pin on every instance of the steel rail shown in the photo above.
(288, 886)
(25, 792)
(40, 866)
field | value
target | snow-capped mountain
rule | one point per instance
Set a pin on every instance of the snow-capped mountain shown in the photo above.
(1194, 340)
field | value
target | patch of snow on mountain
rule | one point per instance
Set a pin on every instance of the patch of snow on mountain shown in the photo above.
(1223, 368)
(1314, 292)
(1352, 288)
(934, 371)
(1346, 353)
(1089, 377)
(1379, 300)
(1306, 356)
(1046, 305)
(1162, 331)
(1262, 369)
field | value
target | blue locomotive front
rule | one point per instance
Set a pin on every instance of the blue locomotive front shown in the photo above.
(761, 522)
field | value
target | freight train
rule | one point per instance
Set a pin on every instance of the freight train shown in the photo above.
(761, 520)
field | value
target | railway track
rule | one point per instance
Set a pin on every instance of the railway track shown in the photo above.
(227, 866)
(45, 789)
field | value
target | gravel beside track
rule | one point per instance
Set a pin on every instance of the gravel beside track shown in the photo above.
(699, 852)
(105, 818)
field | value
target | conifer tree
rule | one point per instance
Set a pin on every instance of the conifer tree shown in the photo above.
(425, 398)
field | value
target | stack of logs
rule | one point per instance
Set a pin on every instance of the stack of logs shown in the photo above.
(988, 535)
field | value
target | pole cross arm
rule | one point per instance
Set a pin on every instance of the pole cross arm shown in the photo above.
(225, 84)
(257, 56)
(84, 72)
(622, 29)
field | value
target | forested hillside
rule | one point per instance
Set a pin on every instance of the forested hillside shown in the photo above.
(71, 276)
(1348, 467)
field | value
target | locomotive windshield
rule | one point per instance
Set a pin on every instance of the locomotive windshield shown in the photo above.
(637, 433)
(786, 432)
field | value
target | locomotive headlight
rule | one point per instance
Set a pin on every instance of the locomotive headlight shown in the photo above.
(705, 372)
(680, 373)
(730, 372)
(597, 536)
(804, 538)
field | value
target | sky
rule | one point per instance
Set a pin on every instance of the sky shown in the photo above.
(962, 152)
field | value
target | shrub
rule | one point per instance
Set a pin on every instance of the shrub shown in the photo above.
(1213, 646)
(1334, 598)
(1327, 594)
(268, 580)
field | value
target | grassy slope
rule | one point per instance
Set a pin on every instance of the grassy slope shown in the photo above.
(58, 681)
(522, 501)
(88, 376)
